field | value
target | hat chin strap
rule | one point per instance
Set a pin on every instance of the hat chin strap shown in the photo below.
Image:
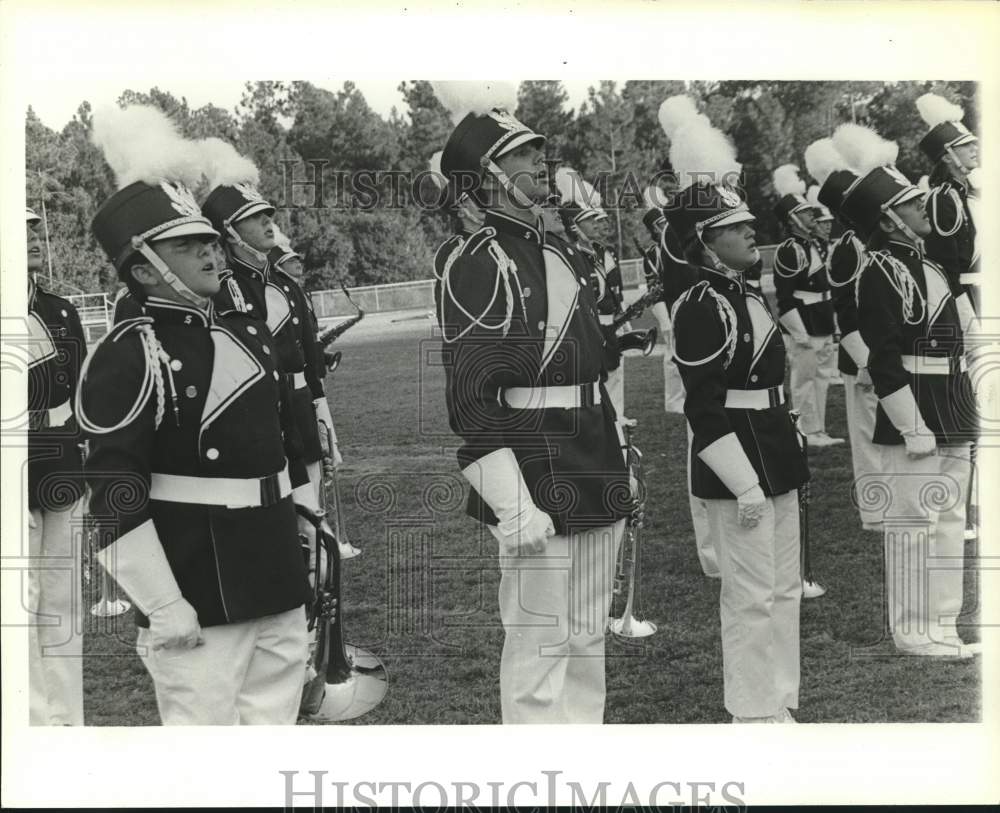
(171, 279)
(234, 237)
(958, 163)
(912, 235)
(519, 197)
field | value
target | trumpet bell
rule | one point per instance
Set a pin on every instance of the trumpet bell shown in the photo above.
(110, 609)
(631, 627)
(642, 340)
(812, 589)
(347, 550)
(363, 688)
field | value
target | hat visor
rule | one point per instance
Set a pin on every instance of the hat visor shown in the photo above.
(254, 209)
(965, 138)
(33, 219)
(824, 217)
(589, 214)
(738, 216)
(186, 230)
(518, 141)
(905, 196)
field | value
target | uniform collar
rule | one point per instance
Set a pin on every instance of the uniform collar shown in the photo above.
(721, 280)
(901, 249)
(505, 224)
(166, 311)
(239, 266)
(32, 291)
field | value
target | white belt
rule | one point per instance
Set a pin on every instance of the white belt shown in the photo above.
(606, 318)
(231, 492)
(298, 381)
(969, 278)
(755, 399)
(811, 297)
(571, 397)
(59, 415)
(932, 365)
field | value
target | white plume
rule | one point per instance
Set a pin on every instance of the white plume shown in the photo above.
(700, 152)
(864, 149)
(281, 239)
(786, 181)
(654, 197)
(935, 109)
(437, 176)
(221, 164)
(463, 97)
(924, 184)
(141, 143)
(812, 195)
(570, 185)
(677, 111)
(823, 158)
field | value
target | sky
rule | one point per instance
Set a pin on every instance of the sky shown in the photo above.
(56, 102)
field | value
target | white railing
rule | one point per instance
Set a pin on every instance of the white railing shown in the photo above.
(95, 313)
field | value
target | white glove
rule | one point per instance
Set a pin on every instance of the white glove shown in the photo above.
(175, 626)
(864, 379)
(531, 538)
(323, 415)
(792, 320)
(918, 446)
(750, 506)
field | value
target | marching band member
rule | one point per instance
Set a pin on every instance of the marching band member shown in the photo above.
(195, 514)
(804, 306)
(250, 285)
(746, 460)
(845, 259)
(926, 414)
(951, 204)
(540, 445)
(57, 347)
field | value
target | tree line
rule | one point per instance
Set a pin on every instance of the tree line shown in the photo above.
(298, 132)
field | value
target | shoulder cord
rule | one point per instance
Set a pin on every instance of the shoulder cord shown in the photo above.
(902, 283)
(455, 252)
(152, 379)
(727, 317)
(505, 266)
(959, 211)
(799, 254)
(846, 237)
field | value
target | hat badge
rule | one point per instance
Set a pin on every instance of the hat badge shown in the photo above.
(249, 191)
(897, 176)
(181, 199)
(506, 120)
(729, 197)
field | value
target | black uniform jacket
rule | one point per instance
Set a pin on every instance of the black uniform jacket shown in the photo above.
(56, 349)
(748, 355)
(126, 307)
(946, 402)
(800, 266)
(952, 243)
(676, 274)
(519, 312)
(231, 564)
(844, 264)
(444, 257)
(262, 293)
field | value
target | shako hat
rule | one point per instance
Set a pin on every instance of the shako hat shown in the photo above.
(946, 128)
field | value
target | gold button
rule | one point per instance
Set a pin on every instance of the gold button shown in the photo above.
(286, 289)
(212, 454)
(746, 337)
(63, 312)
(249, 306)
(251, 330)
(753, 378)
(266, 349)
(275, 374)
(190, 390)
(176, 365)
(295, 320)
(569, 251)
(526, 291)
(933, 342)
(541, 325)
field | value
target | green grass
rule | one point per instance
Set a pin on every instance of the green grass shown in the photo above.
(423, 594)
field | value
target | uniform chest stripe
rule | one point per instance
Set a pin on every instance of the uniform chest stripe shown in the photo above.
(762, 325)
(278, 309)
(562, 291)
(234, 370)
(41, 347)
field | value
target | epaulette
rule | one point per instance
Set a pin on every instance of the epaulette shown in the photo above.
(236, 293)
(123, 327)
(901, 281)
(478, 240)
(446, 254)
(943, 224)
(801, 259)
(727, 320)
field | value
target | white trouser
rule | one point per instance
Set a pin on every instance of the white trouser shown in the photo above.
(759, 606)
(866, 457)
(812, 369)
(673, 386)
(55, 636)
(249, 673)
(703, 540)
(615, 385)
(554, 608)
(924, 527)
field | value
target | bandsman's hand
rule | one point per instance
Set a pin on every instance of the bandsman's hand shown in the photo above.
(920, 445)
(175, 626)
(532, 539)
(801, 339)
(750, 507)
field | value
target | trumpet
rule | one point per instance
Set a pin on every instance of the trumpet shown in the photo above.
(329, 335)
(642, 340)
(628, 570)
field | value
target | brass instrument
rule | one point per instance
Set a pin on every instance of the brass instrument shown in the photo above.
(642, 340)
(810, 587)
(628, 571)
(345, 681)
(653, 295)
(329, 335)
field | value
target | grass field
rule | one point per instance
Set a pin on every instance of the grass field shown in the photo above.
(423, 594)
